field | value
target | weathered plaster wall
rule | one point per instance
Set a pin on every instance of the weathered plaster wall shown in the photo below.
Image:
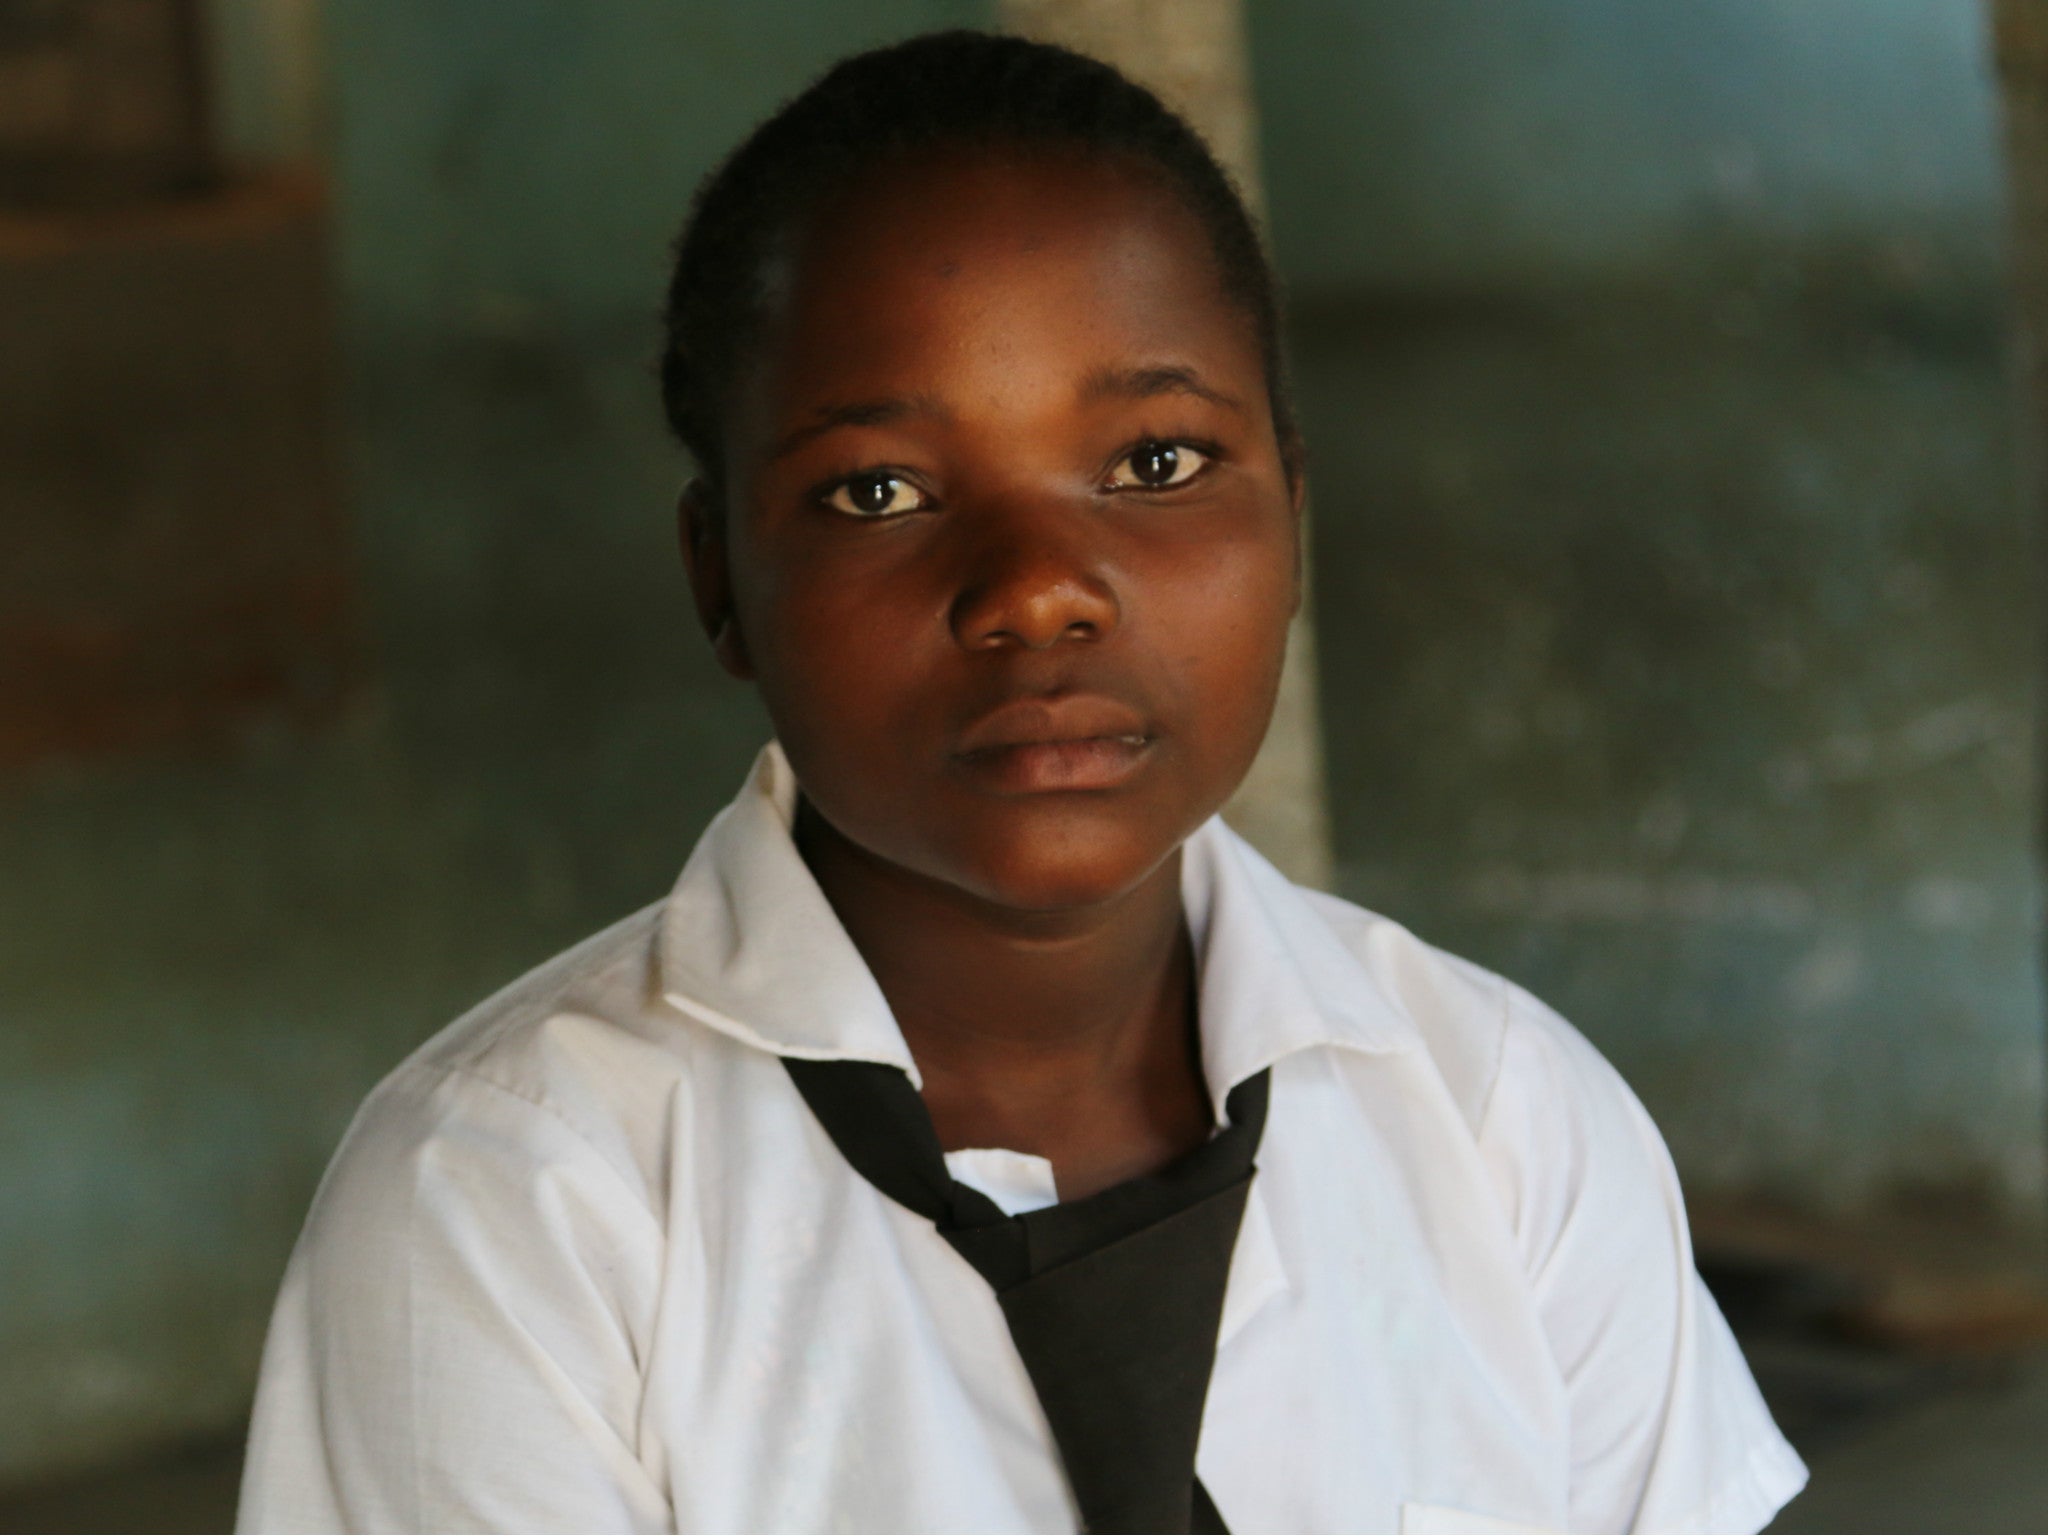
(1677, 614)
(1679, 610)
(207, 959)
(1444, 141)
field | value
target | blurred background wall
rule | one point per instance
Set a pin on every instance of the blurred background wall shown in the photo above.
(1677, 605)
(219, 931)
(1681, 639)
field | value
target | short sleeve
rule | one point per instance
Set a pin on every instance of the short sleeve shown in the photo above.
(455, 1346)
(1668, 1430)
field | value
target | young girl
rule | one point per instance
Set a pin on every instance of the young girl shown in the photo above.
(981, 1136)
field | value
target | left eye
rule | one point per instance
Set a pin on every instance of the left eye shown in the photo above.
(1156, 466)
(877, 494)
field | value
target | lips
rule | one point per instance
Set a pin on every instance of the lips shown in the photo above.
(1074, 742)
(1047, 721)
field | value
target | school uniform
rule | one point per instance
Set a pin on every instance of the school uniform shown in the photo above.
(654, 1240)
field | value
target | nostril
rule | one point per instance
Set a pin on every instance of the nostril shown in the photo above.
(1033, 597)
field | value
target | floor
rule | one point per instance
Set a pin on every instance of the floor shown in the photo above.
(191, 1488)
(1927, 1439)
(1971, 1458)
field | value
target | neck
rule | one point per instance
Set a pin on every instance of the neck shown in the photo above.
(1065, 1034)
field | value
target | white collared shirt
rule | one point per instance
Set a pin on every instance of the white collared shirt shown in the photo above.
(586, 1261)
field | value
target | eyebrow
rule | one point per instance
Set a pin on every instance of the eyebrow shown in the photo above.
(1108, 383)
(1147, 383)
(854, 413)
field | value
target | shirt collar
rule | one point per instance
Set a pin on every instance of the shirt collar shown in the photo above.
(1275, 977)
(750, 947)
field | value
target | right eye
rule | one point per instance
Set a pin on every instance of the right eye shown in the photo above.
(875, 494)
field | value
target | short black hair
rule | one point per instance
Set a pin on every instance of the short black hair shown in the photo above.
(938, 89)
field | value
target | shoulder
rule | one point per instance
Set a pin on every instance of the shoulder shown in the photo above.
(1667, 1429)
(1485, 1035)
(487, 1245)
(521, 1153)
(575, 1065)
(605, 979)
(1543, 1104)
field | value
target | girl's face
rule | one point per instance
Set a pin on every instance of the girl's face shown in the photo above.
(1010, 547)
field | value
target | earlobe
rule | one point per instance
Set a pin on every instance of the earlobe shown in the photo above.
(700, 525)
(1297, 495)
(730, 648)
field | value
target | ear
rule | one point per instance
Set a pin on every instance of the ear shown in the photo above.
(700, 524)
(1297, 497)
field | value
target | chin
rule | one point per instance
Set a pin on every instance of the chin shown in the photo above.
(1063, 864)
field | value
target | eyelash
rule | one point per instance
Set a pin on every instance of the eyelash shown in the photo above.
(1210, 453)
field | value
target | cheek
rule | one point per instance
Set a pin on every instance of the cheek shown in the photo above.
(837, 653)
(1226, 621)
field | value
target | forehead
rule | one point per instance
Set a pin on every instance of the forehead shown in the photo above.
(1013, 268)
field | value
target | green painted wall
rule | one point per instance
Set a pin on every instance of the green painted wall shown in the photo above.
(204, 963)
(1678, 615)
(1680, 635)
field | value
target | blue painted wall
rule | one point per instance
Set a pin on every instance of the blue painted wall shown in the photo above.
(1680, 635)
(1678, 614)
(1440, 142)
(207, 962)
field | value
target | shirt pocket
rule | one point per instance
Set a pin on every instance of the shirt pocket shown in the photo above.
(1443, 1520)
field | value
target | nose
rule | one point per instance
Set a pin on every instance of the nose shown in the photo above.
(1032, 579)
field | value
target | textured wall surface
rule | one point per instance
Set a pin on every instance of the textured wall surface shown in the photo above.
(172, 563)
(1678, 618)
(1680, 641)
(208, 958)
(1460, 140)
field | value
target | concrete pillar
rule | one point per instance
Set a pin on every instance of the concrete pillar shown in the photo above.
(1193, 54)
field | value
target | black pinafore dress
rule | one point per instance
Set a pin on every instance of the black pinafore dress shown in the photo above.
(1113, 1302)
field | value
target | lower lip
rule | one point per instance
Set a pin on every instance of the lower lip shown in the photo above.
(1041, 767)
